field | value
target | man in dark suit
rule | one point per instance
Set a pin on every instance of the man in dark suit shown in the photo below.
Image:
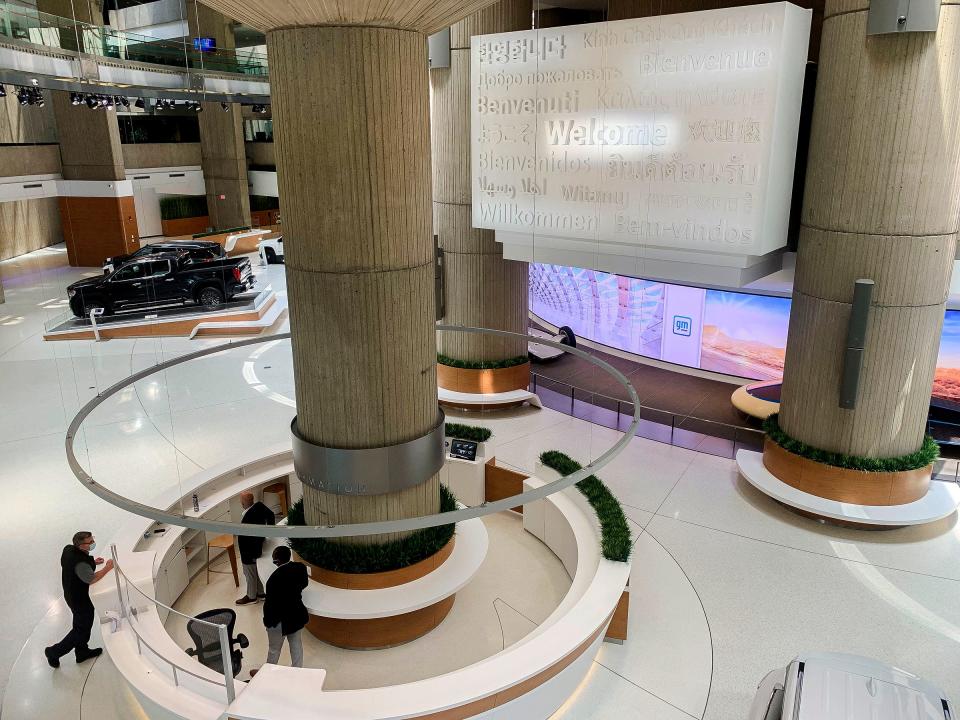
(77, 573)
(251, 547)
(284, 614)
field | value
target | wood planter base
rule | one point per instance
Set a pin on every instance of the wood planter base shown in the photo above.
(844, 485)
(483, 382)
(380, 580)
(379, 633)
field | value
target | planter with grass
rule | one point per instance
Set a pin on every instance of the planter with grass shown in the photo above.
(359, 607)
(483, 377)
(848, 478)
(184, 215)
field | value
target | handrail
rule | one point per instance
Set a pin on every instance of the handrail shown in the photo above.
(685, 416)
(17, 22)
(128, 611)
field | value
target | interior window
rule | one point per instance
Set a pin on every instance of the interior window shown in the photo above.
(130, 272)
(158, 268)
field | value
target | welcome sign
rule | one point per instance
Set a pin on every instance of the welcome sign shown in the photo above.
(676, 131)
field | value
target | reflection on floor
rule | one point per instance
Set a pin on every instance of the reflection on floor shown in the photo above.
(519, 584)
(726, 584)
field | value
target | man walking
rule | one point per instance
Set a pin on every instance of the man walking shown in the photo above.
(284, 614)
(77, 573)
(254, 513)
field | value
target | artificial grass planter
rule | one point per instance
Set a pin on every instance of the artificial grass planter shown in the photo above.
(616, 539)
(481, 364)
(921, 458)
(474, 433)
(221, 232)
(380, 557)
(177, 207)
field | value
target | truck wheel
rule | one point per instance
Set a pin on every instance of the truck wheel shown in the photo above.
(567, 337)
(271, 256)
(211, 298)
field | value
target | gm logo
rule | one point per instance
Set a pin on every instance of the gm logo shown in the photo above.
(682, 325)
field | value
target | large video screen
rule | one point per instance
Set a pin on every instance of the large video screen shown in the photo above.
(733, 333)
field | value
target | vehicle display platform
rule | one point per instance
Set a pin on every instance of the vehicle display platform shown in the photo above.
(247, 314)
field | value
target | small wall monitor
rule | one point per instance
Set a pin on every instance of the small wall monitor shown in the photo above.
(463, 449)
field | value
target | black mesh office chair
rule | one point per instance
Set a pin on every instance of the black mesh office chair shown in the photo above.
(207, 639)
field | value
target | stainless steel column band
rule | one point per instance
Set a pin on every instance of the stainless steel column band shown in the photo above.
(369, 471)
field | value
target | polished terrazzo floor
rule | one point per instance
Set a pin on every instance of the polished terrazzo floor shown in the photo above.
(726, 584)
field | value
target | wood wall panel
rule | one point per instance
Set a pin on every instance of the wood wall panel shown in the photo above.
(500, 483)
(96, 228)
(617, 629)
(89, 141)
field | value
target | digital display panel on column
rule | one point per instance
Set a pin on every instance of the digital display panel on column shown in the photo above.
(675, 131)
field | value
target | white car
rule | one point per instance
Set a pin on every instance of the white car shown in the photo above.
(271, 251)
(835, 686)
(544, 353)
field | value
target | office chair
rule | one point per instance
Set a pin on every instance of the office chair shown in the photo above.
(207, 639)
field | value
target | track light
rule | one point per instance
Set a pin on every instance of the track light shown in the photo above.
(121, 101)
(139, 103)
(3, 91)
(225, 107)
(23, 95)
(76, 98)
(197, 107)
(92, 102)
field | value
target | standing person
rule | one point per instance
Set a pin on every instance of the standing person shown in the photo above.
(284, 614)
(254, 513)
(77, 573)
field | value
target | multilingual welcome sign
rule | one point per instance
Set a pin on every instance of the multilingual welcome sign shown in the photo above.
(677, 131)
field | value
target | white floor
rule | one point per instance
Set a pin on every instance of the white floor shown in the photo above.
(726, 584)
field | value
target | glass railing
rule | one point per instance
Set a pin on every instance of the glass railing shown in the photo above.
(213, 641)
(38, 28)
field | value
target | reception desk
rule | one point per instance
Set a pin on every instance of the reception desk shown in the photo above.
(528, 680)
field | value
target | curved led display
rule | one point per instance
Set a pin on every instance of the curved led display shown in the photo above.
(733, 333)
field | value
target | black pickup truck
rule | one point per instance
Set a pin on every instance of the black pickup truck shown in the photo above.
(163, 280)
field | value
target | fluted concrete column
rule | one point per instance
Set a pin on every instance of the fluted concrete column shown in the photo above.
(481, 288)
(224, 158)
(882, 202)
(351, 114)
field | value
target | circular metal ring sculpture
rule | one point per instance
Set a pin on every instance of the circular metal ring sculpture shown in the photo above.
(352, 529)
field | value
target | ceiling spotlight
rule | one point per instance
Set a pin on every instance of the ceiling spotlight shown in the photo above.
(121, 101)
(76, 98)
(197, 107)
(264, 109)
(23, 95)
(38, 98)
(3, 91)
(92, 102)
(225, 107)
(139, 103)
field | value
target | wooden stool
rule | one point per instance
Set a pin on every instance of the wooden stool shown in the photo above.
(227, 543)
(280, 489)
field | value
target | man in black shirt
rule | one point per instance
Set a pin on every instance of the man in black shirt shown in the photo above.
(284, 614)
(77, 573)
(250, 547)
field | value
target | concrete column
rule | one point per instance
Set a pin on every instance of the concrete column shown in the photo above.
(882, 202)
(96, 209)
(224, 163)
(351, 114)
(481, 288)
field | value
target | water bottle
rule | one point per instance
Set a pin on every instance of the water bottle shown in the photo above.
(196, 503)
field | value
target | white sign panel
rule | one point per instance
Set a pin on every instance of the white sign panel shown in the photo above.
(677, 131)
